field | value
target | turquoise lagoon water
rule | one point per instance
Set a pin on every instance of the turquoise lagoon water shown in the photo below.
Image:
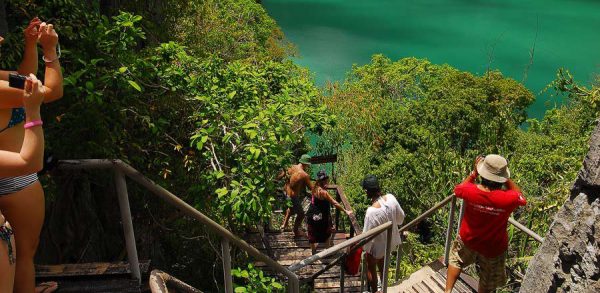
(471, 35)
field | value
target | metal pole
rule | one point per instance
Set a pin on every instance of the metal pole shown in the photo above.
(386, 260)
(527, 231)
(227, 279)
(121, 188)
(463, 206)
(363, 271)
(449, 230)
(337, 213)
(342, 262)
(293, 284)
(397, 274)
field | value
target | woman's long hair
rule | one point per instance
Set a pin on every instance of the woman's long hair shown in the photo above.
(318, 183)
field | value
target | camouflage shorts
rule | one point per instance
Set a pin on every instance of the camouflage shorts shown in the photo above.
(492, 271)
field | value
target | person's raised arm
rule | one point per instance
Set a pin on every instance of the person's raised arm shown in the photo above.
(307, 182)
(53, 88)
(31, 157)
(30, 54)
(333, 202)
(53, 79)
(29, 65)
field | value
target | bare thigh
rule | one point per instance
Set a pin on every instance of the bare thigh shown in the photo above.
(7, 270)
(25, 210)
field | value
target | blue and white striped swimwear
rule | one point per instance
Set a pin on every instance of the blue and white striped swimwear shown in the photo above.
(10, 185)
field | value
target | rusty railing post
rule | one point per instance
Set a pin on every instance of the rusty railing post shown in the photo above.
(121, 188)
(449, 230)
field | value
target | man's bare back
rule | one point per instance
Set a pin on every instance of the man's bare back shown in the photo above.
(298, 181)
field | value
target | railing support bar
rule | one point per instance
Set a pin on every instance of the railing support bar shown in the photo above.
(386, 260)
(397, 273)
(363, 271)
(449, 230)
(342, 273)
(226, 255)
(526, 230)
(121, 188)
(463, 206)
(293, 284)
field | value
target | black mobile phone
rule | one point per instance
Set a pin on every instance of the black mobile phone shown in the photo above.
(16, 80)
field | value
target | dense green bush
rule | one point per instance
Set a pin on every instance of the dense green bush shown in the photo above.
(418, 126)
(211, 114)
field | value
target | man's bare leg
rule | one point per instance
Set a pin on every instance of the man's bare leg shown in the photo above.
(380, 266)
(297, 224)
(371, 273)
(288, 214)
(453, 273)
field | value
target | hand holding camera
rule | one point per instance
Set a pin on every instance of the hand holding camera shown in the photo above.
(48, 38)
(33, 94)
(31, 32)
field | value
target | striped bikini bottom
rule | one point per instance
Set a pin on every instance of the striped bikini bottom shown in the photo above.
(10, 185)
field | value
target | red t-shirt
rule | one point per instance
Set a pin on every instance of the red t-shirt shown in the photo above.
(483, 227)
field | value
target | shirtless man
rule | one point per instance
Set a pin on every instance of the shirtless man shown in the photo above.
(297, 180)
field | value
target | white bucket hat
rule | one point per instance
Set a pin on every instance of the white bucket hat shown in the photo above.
(494, 168)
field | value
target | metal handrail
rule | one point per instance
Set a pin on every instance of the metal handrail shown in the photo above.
(426, 214)
(336, 248)
(452, 200)
(526, 230)
(346, 203)
(123, 169)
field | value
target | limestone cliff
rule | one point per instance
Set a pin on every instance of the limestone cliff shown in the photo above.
(569, 258)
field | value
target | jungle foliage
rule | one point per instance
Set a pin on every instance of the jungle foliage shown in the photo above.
(419, 126)
(200, 96)
(210, 110)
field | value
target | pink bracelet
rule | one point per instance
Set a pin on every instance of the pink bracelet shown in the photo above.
(33, 124)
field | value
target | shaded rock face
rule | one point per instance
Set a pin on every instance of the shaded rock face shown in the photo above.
(569, 258)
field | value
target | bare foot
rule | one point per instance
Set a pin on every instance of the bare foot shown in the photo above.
(46, 287)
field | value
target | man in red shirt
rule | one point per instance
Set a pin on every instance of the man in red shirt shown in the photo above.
(483, 239)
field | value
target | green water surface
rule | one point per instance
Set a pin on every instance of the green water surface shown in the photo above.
(470, 35)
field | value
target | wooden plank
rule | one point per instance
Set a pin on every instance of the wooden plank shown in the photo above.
(99, 285)
(324, 159)
(87, 269)
(335, 283)
(439, 280)
(417, 287)
(465, 282)
(431, 288)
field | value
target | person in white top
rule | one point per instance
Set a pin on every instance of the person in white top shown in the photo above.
(383, 209)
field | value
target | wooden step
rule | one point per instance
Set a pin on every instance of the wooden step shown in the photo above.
(99, 286)
(93, 277)
(287, 250)
(87, 269)
(432, 279)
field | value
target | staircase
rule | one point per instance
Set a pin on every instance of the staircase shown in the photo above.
(287, 250)
(275, 252)
(432, 279)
